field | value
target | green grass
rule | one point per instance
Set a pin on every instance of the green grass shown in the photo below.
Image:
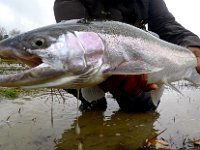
(13, 93)
(10, 93)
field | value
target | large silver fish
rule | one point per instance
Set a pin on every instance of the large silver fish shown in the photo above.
(78, 54)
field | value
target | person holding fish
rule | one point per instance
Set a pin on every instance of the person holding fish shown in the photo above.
(131, 91)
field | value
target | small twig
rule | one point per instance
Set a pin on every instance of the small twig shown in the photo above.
(34, 119)
(19, 111)
(157, 135)
(61, 96)
(8, 118)
(51, 109)
(56, 96)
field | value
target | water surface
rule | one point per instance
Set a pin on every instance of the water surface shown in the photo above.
(36, 122)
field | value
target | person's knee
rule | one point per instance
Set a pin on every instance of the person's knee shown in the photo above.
(140, 103)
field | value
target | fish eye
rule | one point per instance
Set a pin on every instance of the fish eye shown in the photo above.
(38, 42)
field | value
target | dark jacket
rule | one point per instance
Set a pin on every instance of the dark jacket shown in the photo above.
(135, 12)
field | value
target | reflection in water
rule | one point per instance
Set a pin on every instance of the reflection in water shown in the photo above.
(120, 131)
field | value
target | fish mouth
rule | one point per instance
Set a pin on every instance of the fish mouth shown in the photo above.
(31, 60)
(12, 49)
(30, 74)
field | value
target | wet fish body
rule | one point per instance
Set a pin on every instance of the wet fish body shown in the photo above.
(75, 54)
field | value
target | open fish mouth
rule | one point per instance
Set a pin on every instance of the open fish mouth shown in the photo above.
(34, 73)
(30, 60)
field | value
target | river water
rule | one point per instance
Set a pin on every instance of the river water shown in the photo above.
(46, 121)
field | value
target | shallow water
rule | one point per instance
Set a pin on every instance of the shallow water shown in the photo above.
(37, 123)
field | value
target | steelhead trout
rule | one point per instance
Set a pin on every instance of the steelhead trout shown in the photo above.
(77, 54)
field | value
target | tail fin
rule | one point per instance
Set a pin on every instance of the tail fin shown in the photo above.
(194, 77)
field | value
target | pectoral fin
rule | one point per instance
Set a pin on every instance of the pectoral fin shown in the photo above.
(156, 94)
(92, 93)
(133, 68)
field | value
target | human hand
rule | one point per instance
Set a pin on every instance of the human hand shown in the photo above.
(196, 51)
(128, 84)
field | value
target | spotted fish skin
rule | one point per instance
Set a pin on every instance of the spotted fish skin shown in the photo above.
(76, 54)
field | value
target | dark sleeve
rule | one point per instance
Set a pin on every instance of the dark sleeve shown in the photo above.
(69, 9)
(162, 22)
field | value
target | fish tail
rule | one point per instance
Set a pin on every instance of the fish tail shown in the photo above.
(193, 77)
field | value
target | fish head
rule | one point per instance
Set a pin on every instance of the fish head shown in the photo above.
(57, 57)
(16, 48)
